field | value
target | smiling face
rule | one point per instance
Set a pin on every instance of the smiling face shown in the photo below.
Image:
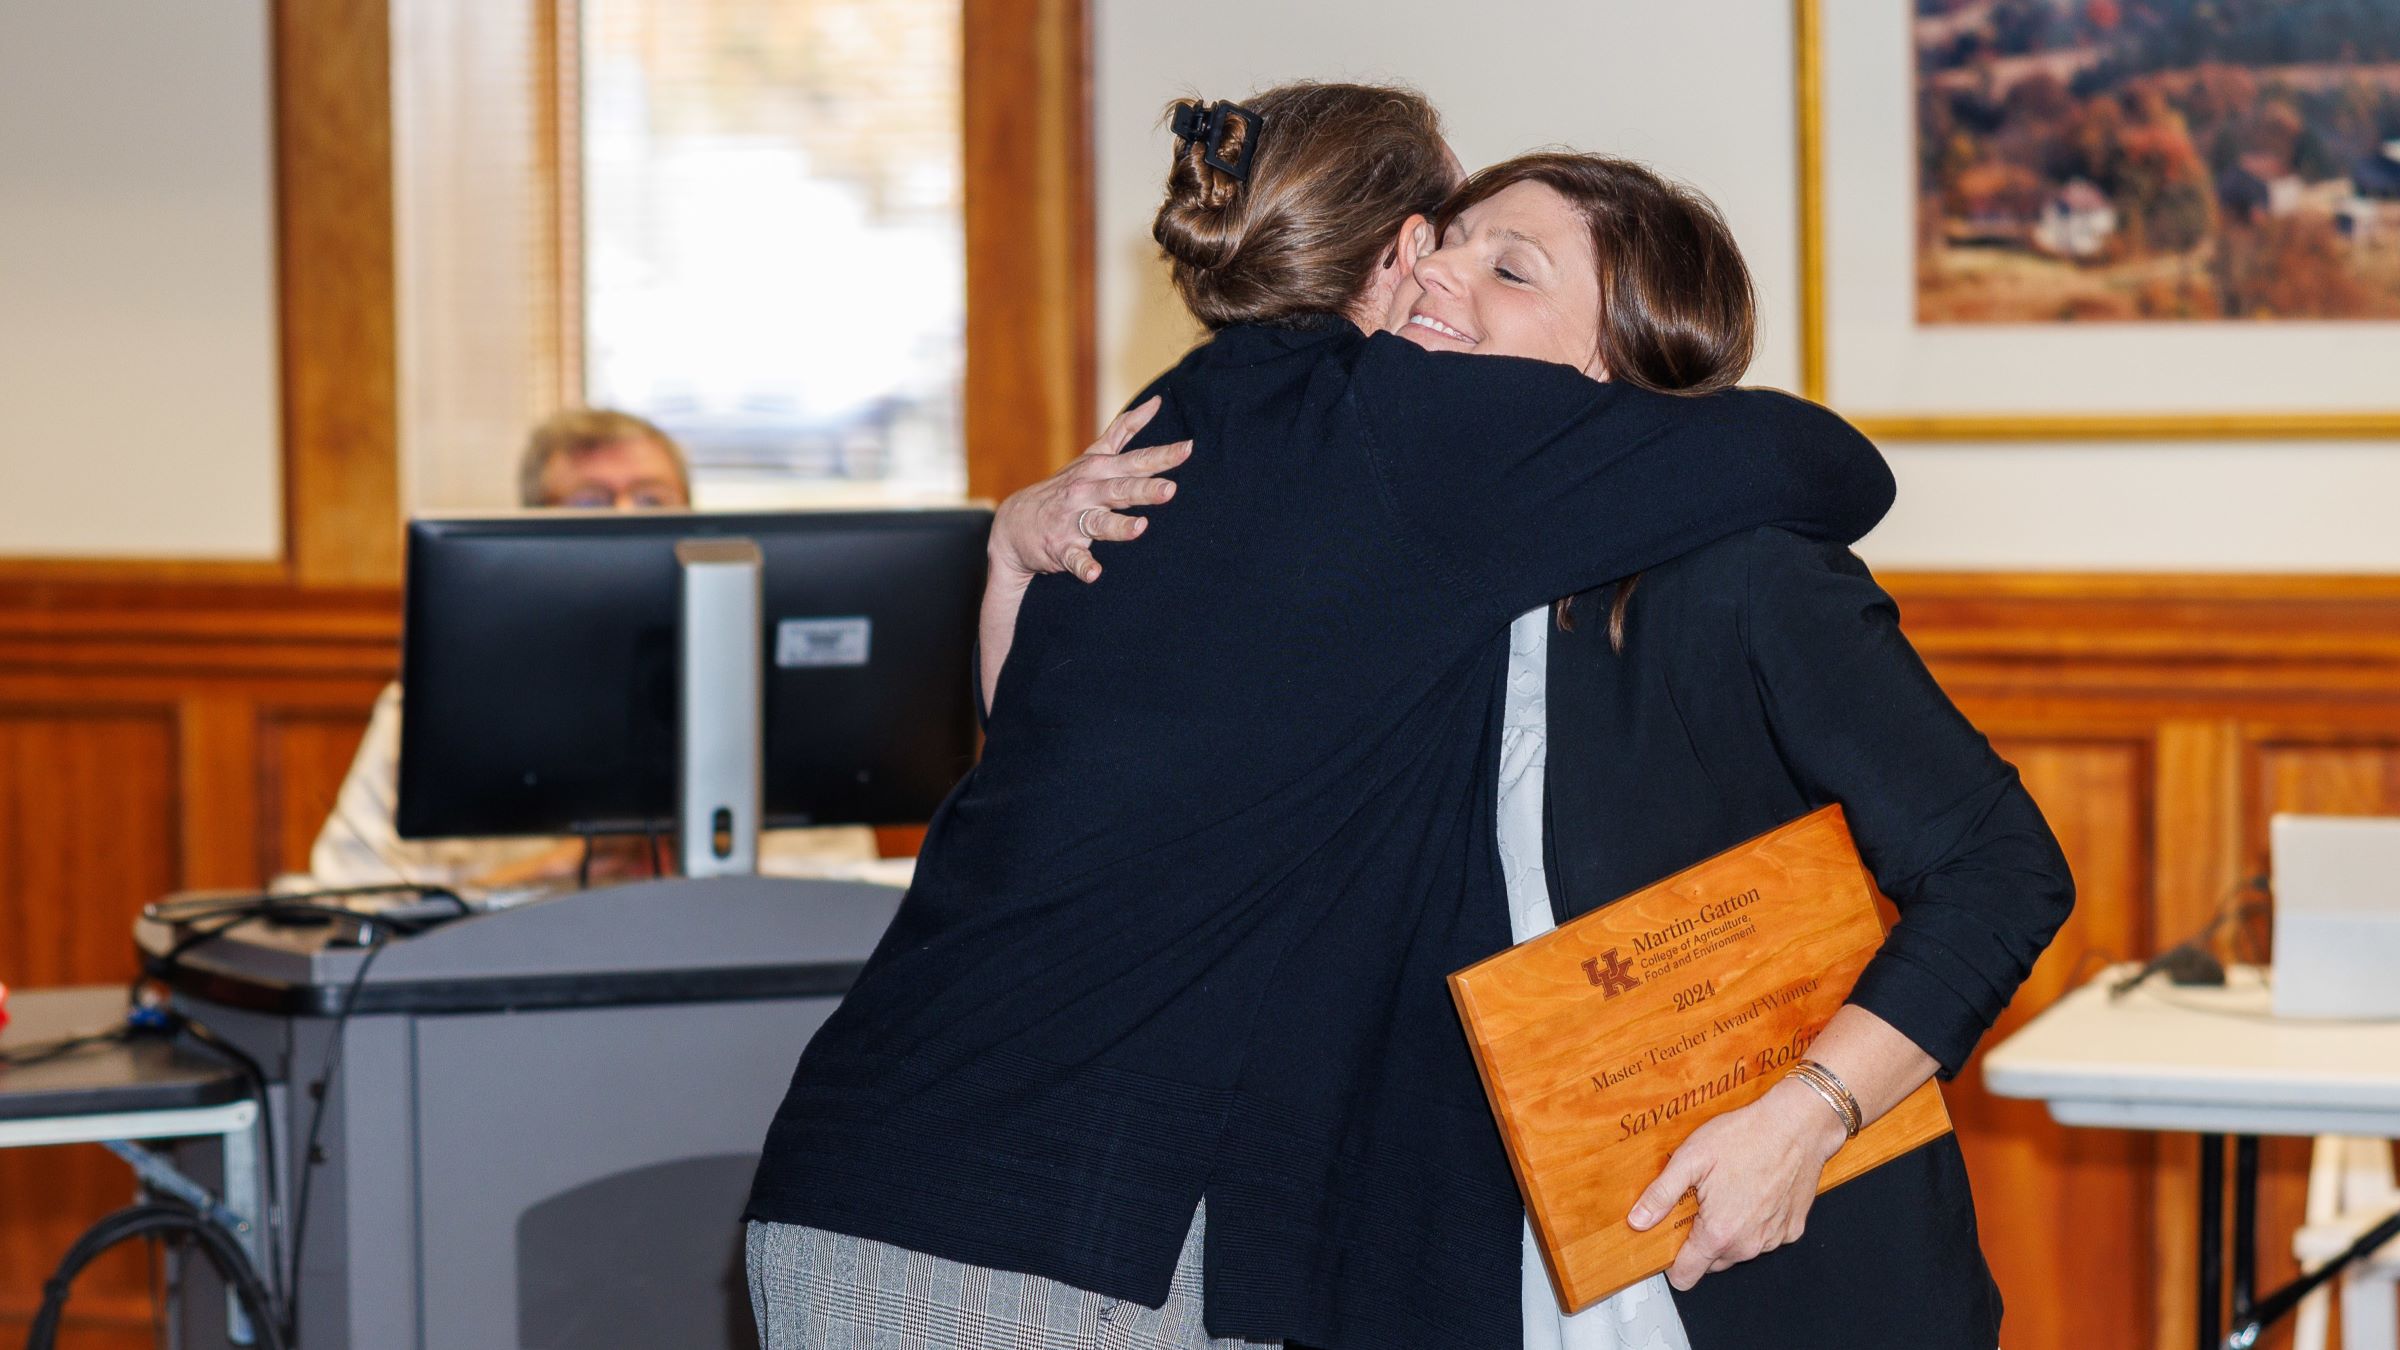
(1514, 275)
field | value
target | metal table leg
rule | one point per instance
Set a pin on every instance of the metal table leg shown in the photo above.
(2212, 1240)
(239, 1213)
(2245, 1224)
(242, 1196)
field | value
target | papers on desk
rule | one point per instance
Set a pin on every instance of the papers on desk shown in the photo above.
(894, 872)
(878, 871)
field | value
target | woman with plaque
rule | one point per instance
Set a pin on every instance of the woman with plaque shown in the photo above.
(1696, 705)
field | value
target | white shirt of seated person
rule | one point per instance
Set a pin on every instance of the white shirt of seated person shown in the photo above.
(359, 844)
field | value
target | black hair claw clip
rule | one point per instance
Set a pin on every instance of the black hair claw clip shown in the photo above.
(1207, 123)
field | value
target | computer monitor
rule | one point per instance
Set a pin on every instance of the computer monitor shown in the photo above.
(539, 669)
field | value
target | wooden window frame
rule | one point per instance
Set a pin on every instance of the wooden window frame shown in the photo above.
(1031, 327)
(1026, 105)
(331, 123)
(1026, 161)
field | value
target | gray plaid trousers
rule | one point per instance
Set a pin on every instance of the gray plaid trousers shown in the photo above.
(815, 1290)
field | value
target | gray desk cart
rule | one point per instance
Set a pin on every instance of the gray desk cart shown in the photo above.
(544, 1118)
(121, 1093)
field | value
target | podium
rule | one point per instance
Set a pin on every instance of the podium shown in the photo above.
(541, 1121)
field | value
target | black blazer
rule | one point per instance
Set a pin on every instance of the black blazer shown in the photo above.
(1762, 677)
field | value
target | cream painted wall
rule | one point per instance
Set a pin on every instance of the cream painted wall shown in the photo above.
(1703, 89)
(138, 369)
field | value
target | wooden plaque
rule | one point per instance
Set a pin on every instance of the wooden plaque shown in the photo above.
(1604, 1043)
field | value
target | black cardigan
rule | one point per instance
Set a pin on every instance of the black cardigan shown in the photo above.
(1762, 677)
(1183, 930)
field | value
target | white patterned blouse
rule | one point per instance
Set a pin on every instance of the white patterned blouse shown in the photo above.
(1643, 1317)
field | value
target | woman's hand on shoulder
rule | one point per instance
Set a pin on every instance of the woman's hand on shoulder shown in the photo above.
(1756, 1170)
(1051, 526)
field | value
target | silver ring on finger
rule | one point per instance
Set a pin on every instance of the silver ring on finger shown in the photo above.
(1083, 522)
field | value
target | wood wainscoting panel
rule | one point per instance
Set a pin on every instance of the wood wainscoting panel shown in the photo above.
(218, 729)
(2324, 777)
(2198, 872)
(2250, 695)
(2319, 772)
(2064, 1209)
(151, 739)
(87, 805)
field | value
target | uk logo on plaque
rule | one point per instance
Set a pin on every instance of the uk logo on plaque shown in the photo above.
(1611, 972)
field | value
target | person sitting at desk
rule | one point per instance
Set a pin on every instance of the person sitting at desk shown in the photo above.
(590, 458)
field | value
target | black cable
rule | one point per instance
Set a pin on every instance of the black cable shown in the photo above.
(287, 910)
(176, 911)
(141, 1220)
(2194, 951)
(163, 965)
(233, 912)
(276, 1325)
(2244, 941)
(229, 913)
(26, 1056)
(321, 1092)
(256, 1081)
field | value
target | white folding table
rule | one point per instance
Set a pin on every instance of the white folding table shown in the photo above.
(146, 1088)
(2216, 1062)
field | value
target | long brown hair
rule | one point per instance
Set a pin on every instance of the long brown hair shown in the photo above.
(1678, 314)
(1333, 170)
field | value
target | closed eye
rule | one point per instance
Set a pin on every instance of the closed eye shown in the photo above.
(1508, 276)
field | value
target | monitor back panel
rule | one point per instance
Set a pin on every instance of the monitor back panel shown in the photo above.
(540, 679)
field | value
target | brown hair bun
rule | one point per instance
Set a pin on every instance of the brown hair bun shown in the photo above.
(1332, 174)
(1191, 226)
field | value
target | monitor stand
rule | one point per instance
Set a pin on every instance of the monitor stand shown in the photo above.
(721, 718)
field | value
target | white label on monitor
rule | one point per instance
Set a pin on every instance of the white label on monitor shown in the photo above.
(802, 644)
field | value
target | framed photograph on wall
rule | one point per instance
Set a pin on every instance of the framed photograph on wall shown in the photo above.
(2093, 218)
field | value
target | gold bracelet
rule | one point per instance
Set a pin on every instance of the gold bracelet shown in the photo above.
(1854, 1117)
(1857, 1114)
(1837, 1094)
(1832, 1102)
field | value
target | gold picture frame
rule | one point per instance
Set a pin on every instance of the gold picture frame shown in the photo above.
(1815, 378)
